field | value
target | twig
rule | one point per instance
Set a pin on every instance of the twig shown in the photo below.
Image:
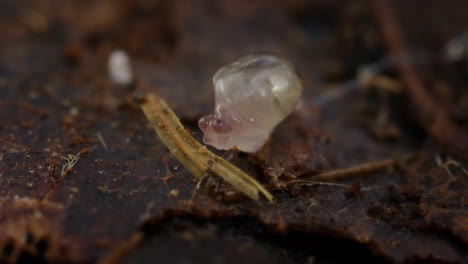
(339, 174)
(362, 168)
(195, 157)
(101, 139)
(366, 76)
(313, 183)
(465, 171)
(433, 119)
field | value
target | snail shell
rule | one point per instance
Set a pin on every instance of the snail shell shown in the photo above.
(252, 95)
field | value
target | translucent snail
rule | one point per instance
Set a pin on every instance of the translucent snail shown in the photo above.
(252, 95)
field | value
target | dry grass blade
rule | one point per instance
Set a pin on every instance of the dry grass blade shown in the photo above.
(363, 168)
(71, 161)
(325, 178)
(195, 157)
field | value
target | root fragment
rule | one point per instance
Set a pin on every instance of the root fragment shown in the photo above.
(71, 161)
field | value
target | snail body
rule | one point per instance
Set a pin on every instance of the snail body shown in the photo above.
(252, 96)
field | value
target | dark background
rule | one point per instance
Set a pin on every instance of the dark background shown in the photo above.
(116, 206)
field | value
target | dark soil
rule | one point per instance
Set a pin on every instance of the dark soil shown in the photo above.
(118, 204)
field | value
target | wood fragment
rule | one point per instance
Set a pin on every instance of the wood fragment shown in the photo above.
(195, 157)
(465, 171)
(101, 139)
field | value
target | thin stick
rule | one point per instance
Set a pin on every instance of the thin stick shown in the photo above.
(361, 168)
(195, 157)
(101, 139)
(339, 174)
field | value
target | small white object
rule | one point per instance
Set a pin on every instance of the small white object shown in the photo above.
(457, 48)
(365, 75)
(74, 111)
(119, 67)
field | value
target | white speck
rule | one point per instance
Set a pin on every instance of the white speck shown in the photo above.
(74, 111)
(127, 140)
(176, 168)
(101, 139)
(119, 67)
(202, 120)
(251, 119)
(365, 75)
(100, 172)
(457, 48)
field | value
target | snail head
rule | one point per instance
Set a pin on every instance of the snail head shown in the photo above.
(217, 130)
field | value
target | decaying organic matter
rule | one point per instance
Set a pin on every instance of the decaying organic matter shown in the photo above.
(129, 200)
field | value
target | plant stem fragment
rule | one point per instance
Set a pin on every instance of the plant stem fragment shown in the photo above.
(363, 168)
(327, 178)
(71, 161)
(195, 157)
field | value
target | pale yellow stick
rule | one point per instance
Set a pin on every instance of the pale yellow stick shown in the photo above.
(195, 157)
